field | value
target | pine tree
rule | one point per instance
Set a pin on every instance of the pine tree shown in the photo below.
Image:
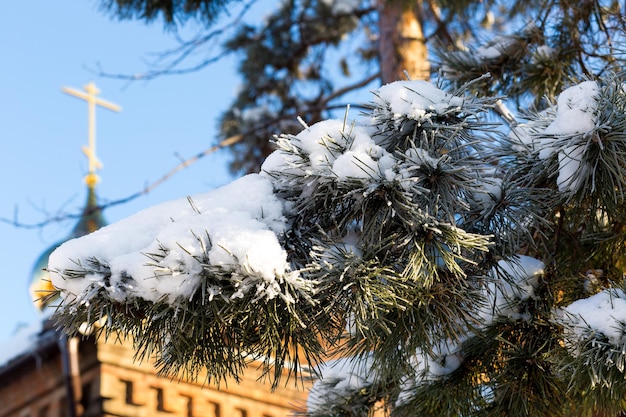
(455, 269)
(456, 263)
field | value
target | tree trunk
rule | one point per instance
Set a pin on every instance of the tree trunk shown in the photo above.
(401, 43)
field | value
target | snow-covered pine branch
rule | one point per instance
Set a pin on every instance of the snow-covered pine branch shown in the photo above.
(443, 258)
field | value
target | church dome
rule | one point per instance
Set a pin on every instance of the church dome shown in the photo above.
(90, 220)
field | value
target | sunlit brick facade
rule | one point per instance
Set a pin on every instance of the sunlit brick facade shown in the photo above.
(110, 383)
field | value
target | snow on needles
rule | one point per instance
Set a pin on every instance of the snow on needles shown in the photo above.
(331, 149)
(160, 253)
(338, 150)
(512, 282)
(417, 100)
(342, 6)
(341, 377)
(238, 225)
(604, 313)
(575, 118)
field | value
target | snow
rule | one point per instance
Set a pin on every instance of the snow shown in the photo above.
(496, 48)
(341, 149)
(564, 131)
(570, 163)
(576, 116)
(444, 360)
(236, 225)
(342, 6)
(254, 114)
(490, 191)
(331, 149)
(576, 107)
(604, 313)
(155, 255)
(528, 137)
(338, 378)
(542, 53)
(417, 100)
(513, 281)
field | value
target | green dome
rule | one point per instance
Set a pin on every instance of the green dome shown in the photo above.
(90, 220)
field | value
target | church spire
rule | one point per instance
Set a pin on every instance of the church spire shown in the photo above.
(90, 96)
(91, 217)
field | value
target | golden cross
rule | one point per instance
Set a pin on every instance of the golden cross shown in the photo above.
(91, 91)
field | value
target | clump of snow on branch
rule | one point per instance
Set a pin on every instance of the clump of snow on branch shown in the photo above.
(527, 137)
(500, 45)
(158, 253)
(604, 313)
(330, 149)
(512, 281)
(443, 360)
(576, 107)
(339, 378)
(417, 100)
(576, 115)
(336, 150)
(490, 190)
(542, 53)
(161, 254)
(566, 137)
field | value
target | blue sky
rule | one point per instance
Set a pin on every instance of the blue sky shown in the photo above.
(49, 45)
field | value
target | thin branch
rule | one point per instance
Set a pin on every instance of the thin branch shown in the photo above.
(54, 219)
(182, 52)
(184, 164)
(441, 26)
(150, 75)
(349, 88)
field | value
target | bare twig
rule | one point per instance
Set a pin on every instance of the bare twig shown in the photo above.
(184, 164)
(174, 57)
(349, 88)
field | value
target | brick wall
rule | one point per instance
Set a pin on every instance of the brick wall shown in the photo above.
(114, 385)
(134, 389)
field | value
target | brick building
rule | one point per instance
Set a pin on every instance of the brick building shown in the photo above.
(101, 380)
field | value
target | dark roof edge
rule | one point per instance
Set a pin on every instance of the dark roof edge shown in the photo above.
(46, 344)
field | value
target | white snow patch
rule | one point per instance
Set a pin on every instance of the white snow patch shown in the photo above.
(342, 6)
(504, 293)
(496, 48)
(418, 100)
(543, 52)
(570, 163)
(238, 225)
(604, 312)
(339, 378)
(335, 150)
(444, 360)
(576, 107)
(575, 116)
(489, 191)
